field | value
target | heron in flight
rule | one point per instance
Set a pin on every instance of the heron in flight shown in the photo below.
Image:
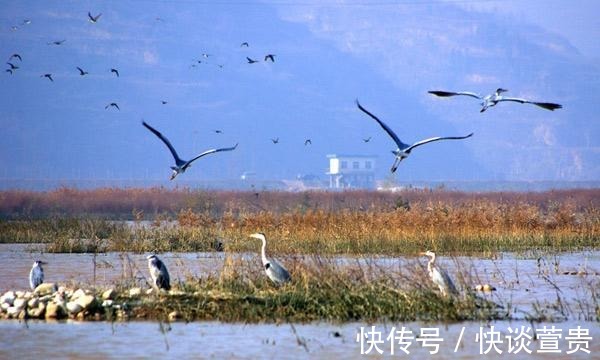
(49, 76)
(16, 56)
(36, 275)
(439, 276)
(159, 273)
(93, 19)
(115, 71)
(12, 66)
(57, 42)
(367, 139)
(403, 149)
(275, 141)
(493, 99)
(275, 271)
(182, 165)
(81, 71)
(115, 105)
(251, 61)
(270, 57)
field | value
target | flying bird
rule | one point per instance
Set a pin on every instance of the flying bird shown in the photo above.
(251, 61)
(59, 42)
(204, 55)
(49, 76)
(244, 44)
(403, 149)
(182, 165)
(439, 276)
(217, 131)
(275, 271)
(493, 99)
(81, 71)
(275, 141)
(158, 273)
(36, 275)
(163, 102)
(113, 105)
(9, 71)
(367, 139)
(12, 66)
(93, 19)
(26, 22)
(115, 71)
(15, 55)
(270, 57)
(307, 142)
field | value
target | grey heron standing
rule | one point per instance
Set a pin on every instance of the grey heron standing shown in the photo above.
(36, 275)
(159, 273)
(403, 149)
(439, 276)
(493, 99)
(182, 165)
(275, 271)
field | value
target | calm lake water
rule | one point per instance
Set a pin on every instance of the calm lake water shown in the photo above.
(140, 340)
(522, 281)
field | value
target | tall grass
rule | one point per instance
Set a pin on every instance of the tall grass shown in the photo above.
(357, 222)
(116, 203)
(320, 290)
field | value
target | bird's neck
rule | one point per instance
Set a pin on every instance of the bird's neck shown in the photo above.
(263, 253)
(431, 264)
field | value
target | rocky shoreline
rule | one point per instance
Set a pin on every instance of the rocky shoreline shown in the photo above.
(52, 302)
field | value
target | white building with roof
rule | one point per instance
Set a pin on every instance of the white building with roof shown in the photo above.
(351, 171)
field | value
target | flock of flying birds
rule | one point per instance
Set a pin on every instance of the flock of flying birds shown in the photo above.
(273, 269)
(401, 152)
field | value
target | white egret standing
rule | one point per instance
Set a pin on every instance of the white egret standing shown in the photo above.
(36, 275)
(159, 273)
(182, 165)
(439, 276)
(403, 149)
(493, 99)
(275, 271)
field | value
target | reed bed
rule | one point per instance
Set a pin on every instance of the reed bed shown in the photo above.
(321, 290)
(131, 203)
(467, 227)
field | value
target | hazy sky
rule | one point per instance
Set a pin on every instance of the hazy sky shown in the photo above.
(386, 53)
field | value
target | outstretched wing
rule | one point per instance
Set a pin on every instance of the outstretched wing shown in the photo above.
(545, 105)
(423, 142)
(451, 93)
(178, 160)
(387, 129)
(212, 151)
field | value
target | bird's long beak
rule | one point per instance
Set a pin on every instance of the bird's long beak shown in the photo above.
(43, 263)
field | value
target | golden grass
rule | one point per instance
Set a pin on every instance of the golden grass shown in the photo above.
(316, 223)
